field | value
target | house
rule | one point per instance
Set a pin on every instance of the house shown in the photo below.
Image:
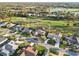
(26, 30)
(3, 41)
(71, 39)
(17, 28)
(33, 40)
(8, 49)
(10, 25)
(2, 24)
(43, 13)
(39, 32)
(54, 36)
(58, 35)
(18, 37)
(50, 35)
(31, 13)
(29, 51)
(21, 29)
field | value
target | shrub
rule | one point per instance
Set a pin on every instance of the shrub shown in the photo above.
(11, 38)
(66, 55)
(21, 39)
(25, 34)
(24, 44)
(42, 38)
(17, 52)
(54, 51)
(63, 44)
(41, 50)
(51, 41)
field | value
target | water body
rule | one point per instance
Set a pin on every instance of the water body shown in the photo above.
(71, 53)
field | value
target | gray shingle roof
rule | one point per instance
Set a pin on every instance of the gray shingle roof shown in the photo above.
(2, 39)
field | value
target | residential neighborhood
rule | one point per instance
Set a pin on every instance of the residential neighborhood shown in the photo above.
(47, 29)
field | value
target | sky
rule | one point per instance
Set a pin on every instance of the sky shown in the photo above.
(39, 0)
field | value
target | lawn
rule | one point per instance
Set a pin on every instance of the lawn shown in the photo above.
(53, 23)
(37, 22)
(45, 22)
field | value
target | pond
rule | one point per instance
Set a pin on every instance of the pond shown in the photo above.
(71, 53)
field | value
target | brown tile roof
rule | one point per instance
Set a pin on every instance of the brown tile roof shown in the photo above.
(29, 51)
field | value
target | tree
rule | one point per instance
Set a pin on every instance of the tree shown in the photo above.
(11, 38)
(24, 44)
(66, 55)
(41, 50)
(3, 13)
(46, 34)
(51, 41)
(64, 44)
(71, 18)
(54, 51)
(9, 14)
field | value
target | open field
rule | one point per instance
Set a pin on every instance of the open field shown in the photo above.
(33, 23)
(45, 22)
